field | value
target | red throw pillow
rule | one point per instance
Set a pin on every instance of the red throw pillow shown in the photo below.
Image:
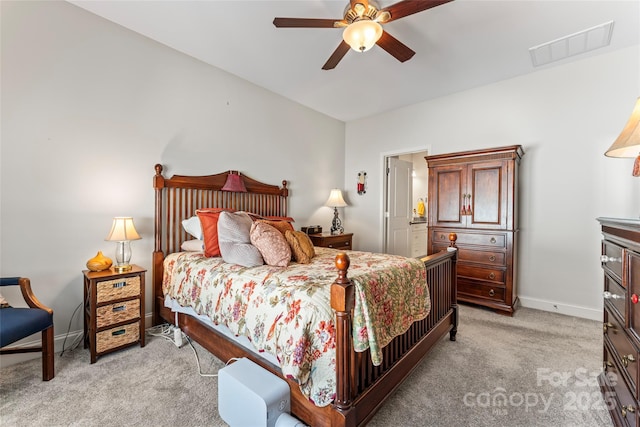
(209, 221)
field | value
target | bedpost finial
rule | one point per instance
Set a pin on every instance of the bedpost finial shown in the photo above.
(452, 239)
(158, 168)
(342, 264)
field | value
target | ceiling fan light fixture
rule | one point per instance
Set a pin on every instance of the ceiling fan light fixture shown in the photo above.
(362, 35)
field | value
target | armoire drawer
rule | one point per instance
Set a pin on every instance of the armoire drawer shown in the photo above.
(479, 273)
(496, 240)
(481, 290)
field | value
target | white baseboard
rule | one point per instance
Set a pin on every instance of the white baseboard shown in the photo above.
(562, 308)
(59, 341)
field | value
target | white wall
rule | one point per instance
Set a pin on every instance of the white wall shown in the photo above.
(89, 107)
(565, 117)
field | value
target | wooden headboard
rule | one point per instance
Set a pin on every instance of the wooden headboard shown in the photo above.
(177, 198)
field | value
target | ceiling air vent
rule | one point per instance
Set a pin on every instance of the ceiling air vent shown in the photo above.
(571, 45)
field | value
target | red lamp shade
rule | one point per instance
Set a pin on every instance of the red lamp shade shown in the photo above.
(234, 183)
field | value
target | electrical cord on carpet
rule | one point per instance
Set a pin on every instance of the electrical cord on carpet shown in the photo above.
(78, 339)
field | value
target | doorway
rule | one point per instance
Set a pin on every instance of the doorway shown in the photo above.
(406, 182)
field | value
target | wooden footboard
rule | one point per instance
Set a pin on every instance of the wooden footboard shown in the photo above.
(361, 387)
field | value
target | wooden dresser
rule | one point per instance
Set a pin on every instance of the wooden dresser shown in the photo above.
(475, 195)
(621, 264)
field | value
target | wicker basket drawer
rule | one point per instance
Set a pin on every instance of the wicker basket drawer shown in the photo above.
(118, 312)
(126, 287)
(116, 337)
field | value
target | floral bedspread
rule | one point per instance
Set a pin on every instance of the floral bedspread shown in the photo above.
(287, 311)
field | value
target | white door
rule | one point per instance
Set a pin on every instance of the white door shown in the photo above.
(398, 215)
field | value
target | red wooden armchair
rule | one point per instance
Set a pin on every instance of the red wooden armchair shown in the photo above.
(18, 323)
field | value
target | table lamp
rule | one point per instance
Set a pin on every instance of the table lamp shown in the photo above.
(336, 201)
(122, 232)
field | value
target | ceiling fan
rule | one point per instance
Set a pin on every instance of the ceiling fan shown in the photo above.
(362, 25)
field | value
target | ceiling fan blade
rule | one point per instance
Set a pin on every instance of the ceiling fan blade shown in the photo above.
(409, 7)
(395, 47)
(305, 23)
(336, 56)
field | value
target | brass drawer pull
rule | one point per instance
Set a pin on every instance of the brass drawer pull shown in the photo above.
(492, 276)
(493, 240)
(626, 409)
(607, 326)
(492, 293)
(607, 364)
(492, 258)
(627, 358)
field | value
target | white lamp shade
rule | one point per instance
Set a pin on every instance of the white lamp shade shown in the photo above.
(335, 199)
(123, 230)
(628, 142)
(362, 35)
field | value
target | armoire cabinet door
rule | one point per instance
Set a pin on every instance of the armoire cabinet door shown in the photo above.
(470, 196)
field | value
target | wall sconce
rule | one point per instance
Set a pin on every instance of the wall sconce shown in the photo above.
(628, 142)
(122, 232)
(336, 201)
(362, 183)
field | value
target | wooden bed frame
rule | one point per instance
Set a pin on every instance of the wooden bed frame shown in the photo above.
(361, 387)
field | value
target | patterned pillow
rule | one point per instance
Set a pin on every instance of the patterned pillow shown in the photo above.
(271, 243)
(301, 246)
(234, 229)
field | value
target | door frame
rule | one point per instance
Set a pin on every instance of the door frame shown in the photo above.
(426, 149)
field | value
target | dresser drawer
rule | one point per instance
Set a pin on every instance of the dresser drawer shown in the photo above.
(479, 273)
(616, 296)
(620, 398)
(481, 290)
(116, 337)
(633, 259)
(117, 313)
(613, 261)
(496, 240)
(110, 290)
(623, 349)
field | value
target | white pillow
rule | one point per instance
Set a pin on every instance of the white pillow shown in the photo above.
(193, 245)
(233, 237)
(193, 227)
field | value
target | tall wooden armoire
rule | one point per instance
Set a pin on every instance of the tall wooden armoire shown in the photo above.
(475, 195)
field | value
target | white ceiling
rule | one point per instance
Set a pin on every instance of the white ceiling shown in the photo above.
(458, 45)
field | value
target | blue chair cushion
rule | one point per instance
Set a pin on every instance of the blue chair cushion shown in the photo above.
(18, 323)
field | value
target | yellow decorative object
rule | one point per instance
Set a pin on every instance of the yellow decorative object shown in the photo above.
(420, 208)
(99, 262)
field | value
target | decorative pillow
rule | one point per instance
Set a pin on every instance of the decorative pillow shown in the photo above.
(271, 243)
(234, 230)
(209, 221)
(301, 246)
(281, 226)
(193, 227)
(193, 245)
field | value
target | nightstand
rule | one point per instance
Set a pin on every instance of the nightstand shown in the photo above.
(113, 310)
(335, 241)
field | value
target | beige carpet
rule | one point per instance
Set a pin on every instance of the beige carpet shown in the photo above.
(534, 369)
